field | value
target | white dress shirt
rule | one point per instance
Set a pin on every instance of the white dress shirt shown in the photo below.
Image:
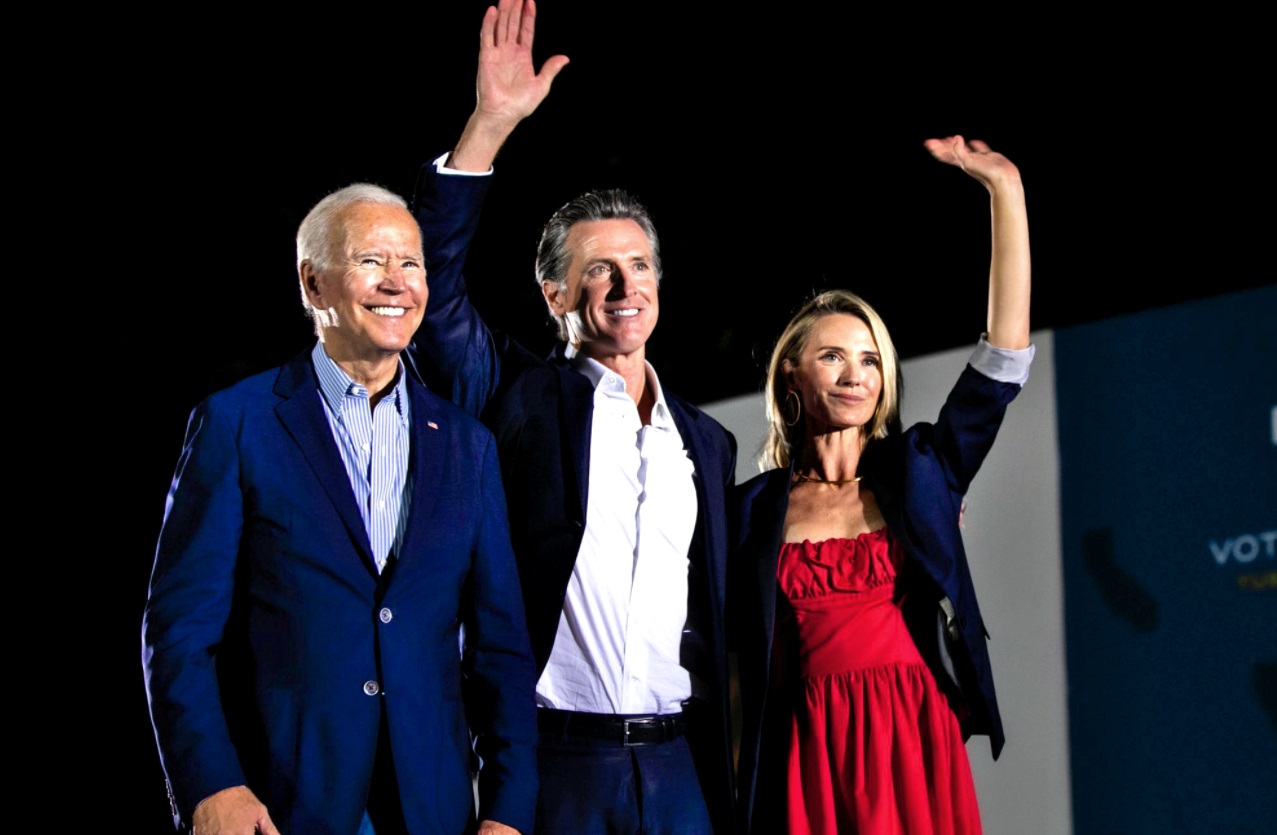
(619, 636)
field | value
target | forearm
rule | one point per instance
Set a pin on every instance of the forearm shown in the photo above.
(1009, 267)
(482, 138)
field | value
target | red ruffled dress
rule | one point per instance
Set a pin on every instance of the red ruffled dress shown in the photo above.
(874, 746)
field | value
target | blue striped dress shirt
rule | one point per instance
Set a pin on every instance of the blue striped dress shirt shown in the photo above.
(374, 447)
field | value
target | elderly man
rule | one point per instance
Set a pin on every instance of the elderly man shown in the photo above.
(334, 626)
(615, 486)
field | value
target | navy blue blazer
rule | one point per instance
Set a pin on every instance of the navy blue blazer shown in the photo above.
(271, 645)
(540, 411)
(918, 478)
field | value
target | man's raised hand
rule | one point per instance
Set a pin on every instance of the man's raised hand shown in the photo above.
(508, 88)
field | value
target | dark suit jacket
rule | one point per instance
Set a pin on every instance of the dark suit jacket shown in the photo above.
(540, 411)
(271, 645)
(918, 478)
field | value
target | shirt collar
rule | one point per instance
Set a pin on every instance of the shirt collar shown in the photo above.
(596, 372)
(335, 384)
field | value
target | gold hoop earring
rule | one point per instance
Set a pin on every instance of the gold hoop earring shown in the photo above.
(798, 409)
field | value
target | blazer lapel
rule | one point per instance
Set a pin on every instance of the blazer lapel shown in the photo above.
(302, 413)
(425, 467)
(709, 496)
(769, 521)
(577, 416)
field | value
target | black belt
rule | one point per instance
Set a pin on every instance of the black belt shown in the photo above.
(626, 731)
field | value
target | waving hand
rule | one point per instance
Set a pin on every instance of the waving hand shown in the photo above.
(508, 87)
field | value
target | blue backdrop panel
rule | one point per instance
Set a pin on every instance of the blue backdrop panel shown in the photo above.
(1168, 483)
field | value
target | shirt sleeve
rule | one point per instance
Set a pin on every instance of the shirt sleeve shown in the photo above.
(1002, 364)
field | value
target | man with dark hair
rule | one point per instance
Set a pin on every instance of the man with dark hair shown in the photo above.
(616, 488)
(334, 621)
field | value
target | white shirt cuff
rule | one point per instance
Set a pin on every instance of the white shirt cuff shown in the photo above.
(1002, 364)
(443, 169)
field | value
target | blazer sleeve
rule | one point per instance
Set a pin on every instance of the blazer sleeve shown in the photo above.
(500, 672)
(968, 424)
(187, 610)
(453, 350)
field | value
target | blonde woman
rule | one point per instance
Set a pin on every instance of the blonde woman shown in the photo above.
(862, 651)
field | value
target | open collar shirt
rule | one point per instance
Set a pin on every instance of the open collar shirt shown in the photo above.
(619, 637)
(374, 445)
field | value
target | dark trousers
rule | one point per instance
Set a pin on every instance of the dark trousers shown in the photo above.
(592, 787)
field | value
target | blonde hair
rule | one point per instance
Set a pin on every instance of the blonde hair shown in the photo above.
(782, 439)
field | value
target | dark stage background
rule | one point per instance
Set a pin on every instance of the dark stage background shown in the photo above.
(779, 156)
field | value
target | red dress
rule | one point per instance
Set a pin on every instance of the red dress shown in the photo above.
(874, 746)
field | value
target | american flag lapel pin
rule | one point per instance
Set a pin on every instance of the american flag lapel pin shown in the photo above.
(432, 424)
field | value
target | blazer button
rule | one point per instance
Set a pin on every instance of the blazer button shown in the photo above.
(372, 688)
(386, 615)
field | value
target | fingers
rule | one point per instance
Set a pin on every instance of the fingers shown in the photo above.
(946, 150)
(528, 26)
(515, 22)
(234, 810)
(511, 22)
(936, 146)
(551, 68)
(510, 13)
(488, 29)
(957, 150)
(976, 159)
(958, 145)
(496, 24)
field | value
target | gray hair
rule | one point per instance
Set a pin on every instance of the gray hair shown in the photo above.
(319, 234)
(552, 251)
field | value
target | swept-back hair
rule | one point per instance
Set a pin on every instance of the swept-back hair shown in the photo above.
(610, 204)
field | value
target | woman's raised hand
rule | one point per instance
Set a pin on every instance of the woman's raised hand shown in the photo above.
(1009, 265)
(976, 158)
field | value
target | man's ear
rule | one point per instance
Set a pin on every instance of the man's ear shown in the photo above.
(310, 284)
(553, 297)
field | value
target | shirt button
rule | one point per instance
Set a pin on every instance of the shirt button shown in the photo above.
(364, 446)
(386, 615)
(372, 688)
(381, 505)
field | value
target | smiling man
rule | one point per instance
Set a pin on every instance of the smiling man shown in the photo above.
(334, 620)
(616, 487)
